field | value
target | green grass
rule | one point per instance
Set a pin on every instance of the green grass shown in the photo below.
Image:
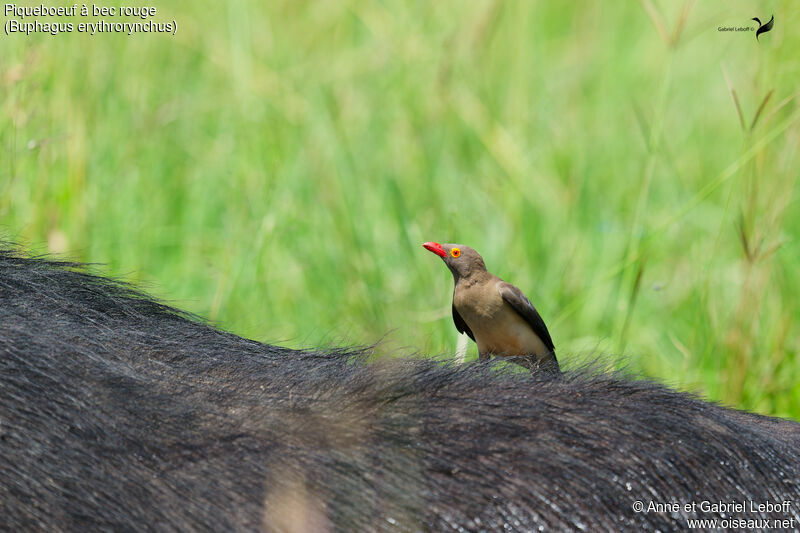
(275, 167)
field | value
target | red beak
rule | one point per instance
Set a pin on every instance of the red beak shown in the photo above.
(436, 248)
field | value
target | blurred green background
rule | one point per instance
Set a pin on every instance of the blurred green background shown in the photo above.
(275, 167)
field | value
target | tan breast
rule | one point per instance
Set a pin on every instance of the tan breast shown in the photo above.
(497, 328)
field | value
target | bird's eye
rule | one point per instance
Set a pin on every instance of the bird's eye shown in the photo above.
(455, 252)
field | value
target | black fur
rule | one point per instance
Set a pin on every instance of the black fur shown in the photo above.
(119, 413)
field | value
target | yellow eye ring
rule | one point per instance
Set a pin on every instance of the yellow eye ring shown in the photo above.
(455, 252)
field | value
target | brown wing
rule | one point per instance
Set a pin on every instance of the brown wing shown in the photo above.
(461, 325)
(520, 303)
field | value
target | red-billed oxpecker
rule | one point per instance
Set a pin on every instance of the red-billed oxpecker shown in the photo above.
(495, 314)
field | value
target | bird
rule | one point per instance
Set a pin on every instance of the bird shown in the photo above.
(764, 28)
(493, 313)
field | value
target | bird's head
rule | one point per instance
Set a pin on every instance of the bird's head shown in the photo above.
(462, 260)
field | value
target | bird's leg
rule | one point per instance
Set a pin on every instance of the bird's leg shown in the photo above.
(527, 361)
(537, 364)
(483, 356)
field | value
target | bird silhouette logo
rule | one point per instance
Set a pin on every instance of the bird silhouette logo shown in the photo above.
(764, 28)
